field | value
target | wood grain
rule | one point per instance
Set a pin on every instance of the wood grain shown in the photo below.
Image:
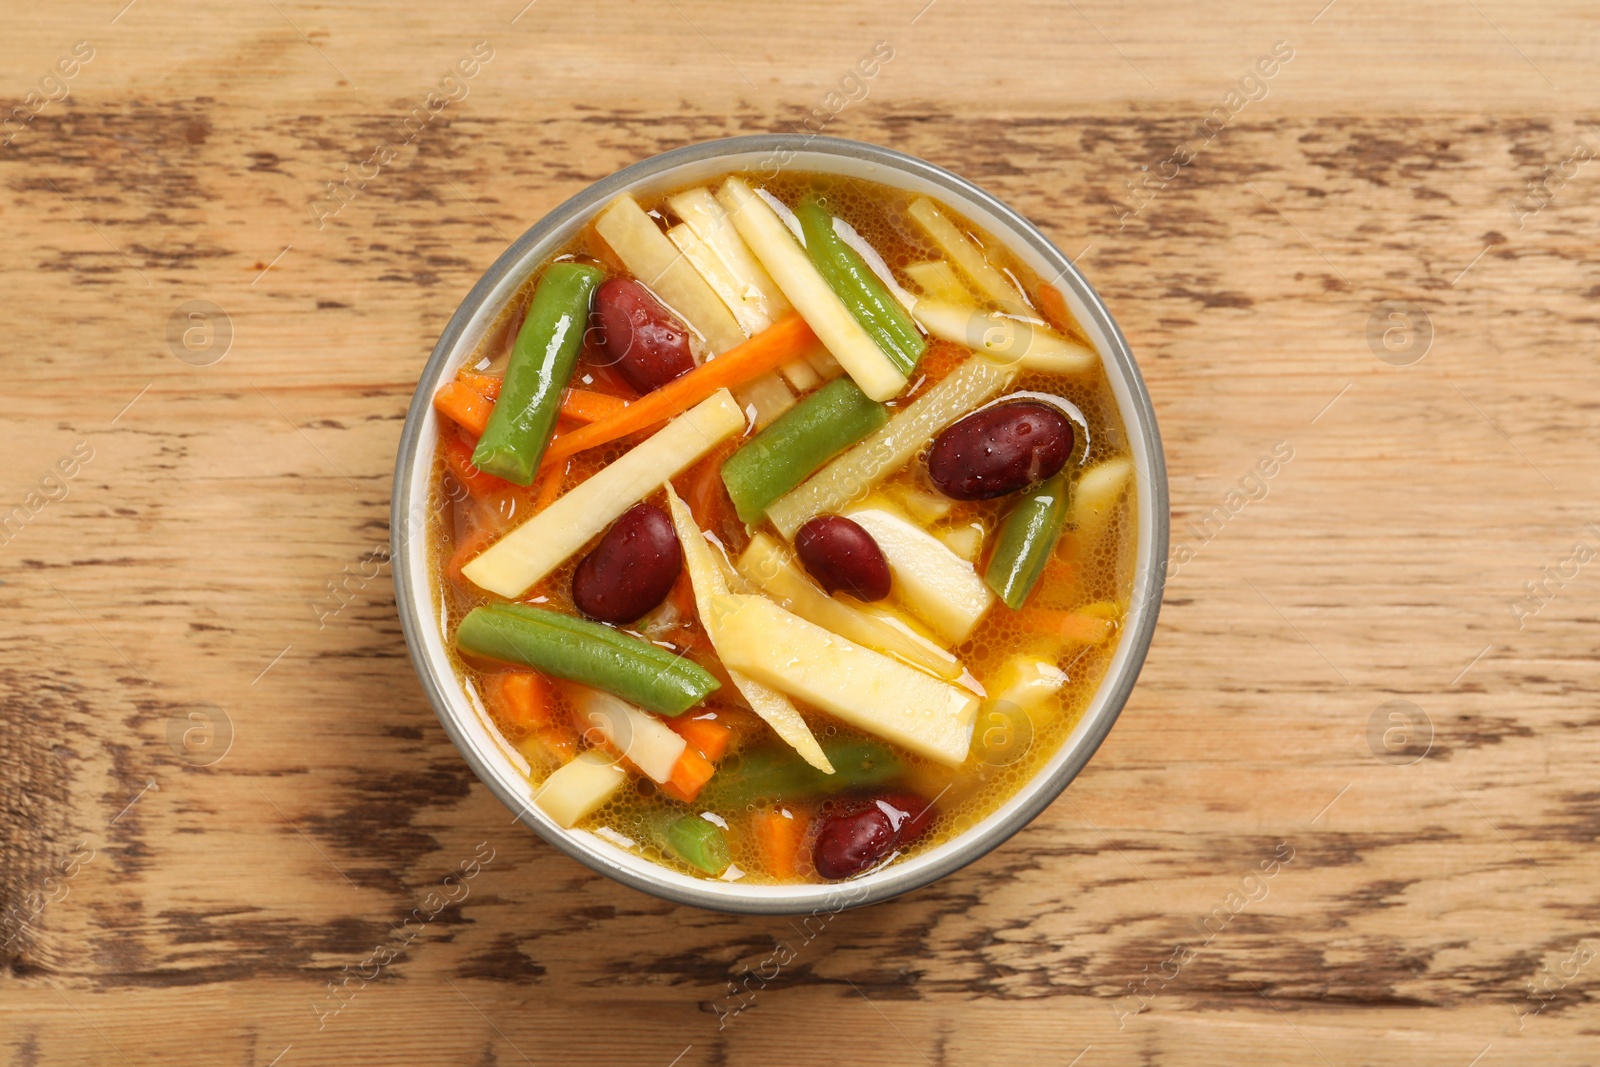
(1431, 913)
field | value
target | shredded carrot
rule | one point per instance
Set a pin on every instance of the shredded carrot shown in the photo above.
(772, 347)
(778, 837)
(1068, 625)
(586, 405)
(689, 775)
(705, 732)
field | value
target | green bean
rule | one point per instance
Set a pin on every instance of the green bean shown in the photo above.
(778, 774)
(585, 652)
(1027, 537)
(699, 843)
(805, 437)
(541, 364)
(853, 282)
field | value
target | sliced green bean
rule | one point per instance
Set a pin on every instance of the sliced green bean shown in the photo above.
(585, 652)
(699, 843)
(1027, 537)
(779, 774)
(852, 281)
(805, 437)
(541, 365)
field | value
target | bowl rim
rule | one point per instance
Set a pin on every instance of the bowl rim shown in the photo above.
(450, 702)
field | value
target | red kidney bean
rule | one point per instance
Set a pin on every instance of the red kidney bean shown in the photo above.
(646, 345)
(999, 450)
(856, 838)
(841, 555)
(632, 569)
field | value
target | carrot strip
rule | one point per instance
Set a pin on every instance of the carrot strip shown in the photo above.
(585, 405)
(549, 488)
(689, 775)
(469, 400)
(706, 733)
(524, 697)
(527, 699)
(778, 837)
(486, 384)
(1054, 306)
(772, 347)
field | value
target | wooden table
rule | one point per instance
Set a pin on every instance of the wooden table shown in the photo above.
(169, 902)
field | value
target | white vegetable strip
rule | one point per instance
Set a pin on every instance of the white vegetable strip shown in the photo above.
(644, 740)
(579, 788)
(938, 281)
(891, 446)
(751, 320)
(825, 365)
(1094, 497)
(652, 258)
(967, 257)
(543, 543)
(764, 399)
(767, 394)
(964, 541)
(766, 565)
(823, 311)
(705, 576)
(927, 508)
(1026, 681)
(710, 222)
(864, 688)
(801, 374)
(1005, 338)
(937, 585)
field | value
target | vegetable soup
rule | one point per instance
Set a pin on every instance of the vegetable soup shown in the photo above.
(785, 531)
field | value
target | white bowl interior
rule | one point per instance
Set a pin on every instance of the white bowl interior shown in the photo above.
(499, 760)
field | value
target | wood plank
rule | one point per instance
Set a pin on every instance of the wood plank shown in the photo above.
(1431, 913)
